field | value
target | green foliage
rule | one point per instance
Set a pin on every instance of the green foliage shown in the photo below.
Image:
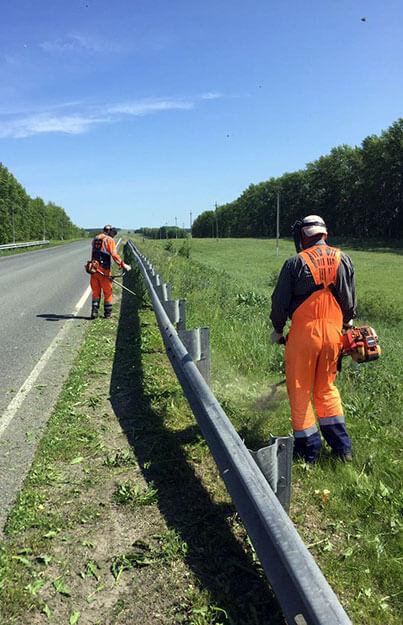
(357, 190)
(169, 246)
(185, 249)
(133, 494)
(371, 306)
(250, 298)
(30, 219)
(164, 232)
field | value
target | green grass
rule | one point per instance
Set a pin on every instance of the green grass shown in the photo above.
(354, 529)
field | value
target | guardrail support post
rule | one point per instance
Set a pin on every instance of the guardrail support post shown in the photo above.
(191, 340)
(181, 324)
(204, 364)
(172, 310)
(155, 279)
(162, 292)
(275, 462)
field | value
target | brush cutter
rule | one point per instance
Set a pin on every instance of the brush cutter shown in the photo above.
(92, 266)
(362, 344)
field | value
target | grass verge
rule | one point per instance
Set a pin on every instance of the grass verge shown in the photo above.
(348, 515)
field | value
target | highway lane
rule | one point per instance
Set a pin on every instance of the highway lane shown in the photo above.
(38, 290)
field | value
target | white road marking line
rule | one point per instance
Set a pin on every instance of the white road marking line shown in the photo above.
(18, 399)
(82, 301)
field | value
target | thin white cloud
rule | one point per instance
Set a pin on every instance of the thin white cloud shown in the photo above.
(145, 107)
(40, 124)
(77, 122)
(77, 42)
(211, 95)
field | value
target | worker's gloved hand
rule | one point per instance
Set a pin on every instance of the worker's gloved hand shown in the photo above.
(276, 337)
(126, 267)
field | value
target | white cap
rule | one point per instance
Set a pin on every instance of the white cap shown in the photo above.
(312, 225)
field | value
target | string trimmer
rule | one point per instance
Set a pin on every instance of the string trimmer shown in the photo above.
(92, 266)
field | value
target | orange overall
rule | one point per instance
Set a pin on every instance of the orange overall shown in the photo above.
(103, 250)
(311, 354)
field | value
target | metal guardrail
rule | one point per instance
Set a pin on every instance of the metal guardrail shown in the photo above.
(14, 246)
(301, 589)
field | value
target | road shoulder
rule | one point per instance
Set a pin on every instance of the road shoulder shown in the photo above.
(123, 517)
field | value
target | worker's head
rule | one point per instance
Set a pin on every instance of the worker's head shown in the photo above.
(110, 230)
(308, 231)
(313, 229)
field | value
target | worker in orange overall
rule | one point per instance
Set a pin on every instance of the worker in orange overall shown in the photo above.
(316, 290)
(103, 251)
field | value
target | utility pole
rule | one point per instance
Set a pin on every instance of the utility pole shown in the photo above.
(176, 227)
(13, 224)
(191, 222)
(216, 219)
(278, 223)
(44, 229)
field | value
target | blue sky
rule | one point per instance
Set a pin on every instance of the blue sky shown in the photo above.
(137, 112)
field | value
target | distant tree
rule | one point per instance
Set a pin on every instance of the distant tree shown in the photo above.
(27, 218)
(357, 190)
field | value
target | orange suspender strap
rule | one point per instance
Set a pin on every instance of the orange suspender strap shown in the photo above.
(323, 262)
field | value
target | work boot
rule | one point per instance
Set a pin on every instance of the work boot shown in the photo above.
(336, 436)
(94, 309)
(344, 457)
(107, 311)
(308, 447)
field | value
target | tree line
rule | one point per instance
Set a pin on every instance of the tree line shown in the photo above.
(23, 218)
(357, 190)
(165, 232)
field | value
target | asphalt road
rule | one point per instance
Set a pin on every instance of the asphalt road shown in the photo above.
(41, 328)
(38, 291)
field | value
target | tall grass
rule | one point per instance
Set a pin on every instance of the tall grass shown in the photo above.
(353, 531)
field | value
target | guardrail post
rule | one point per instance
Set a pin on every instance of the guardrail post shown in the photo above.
(172, 310)
(204, 364)
(181, 324)
(191, 340)
(197, 343)
(162, 292)
(275, 462)
(155, 279)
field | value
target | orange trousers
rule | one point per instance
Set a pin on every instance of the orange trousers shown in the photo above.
(311, 354)
(101, 284)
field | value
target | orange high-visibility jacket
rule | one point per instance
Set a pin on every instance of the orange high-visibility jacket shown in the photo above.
(104, 250)
(296, 283)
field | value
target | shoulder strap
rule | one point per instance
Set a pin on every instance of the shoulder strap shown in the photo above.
(323, 262)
